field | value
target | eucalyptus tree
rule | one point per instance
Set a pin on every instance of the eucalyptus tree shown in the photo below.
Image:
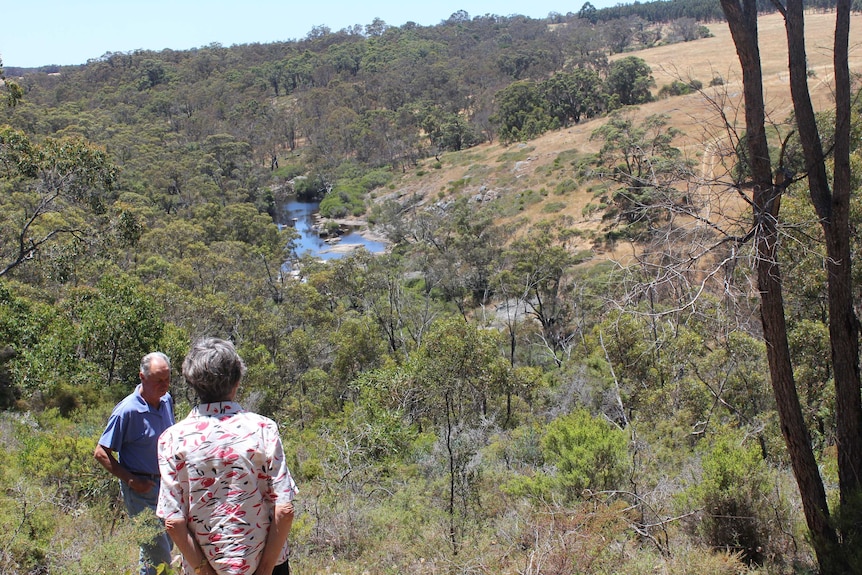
(630, 80)
(642, 159)
(226, 162)
(522, 112)
(50, 190)
(574, 95)
(400, 314)
(119, 322)
(536, 277)
(835, 547)
(14, 93)
(459, 368)
(456, 247)
(708, 237)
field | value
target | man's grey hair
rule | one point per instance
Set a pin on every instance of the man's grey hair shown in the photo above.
(147, 360)
(213, 368)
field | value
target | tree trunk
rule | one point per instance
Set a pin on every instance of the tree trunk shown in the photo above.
(823, 537)
(833, 210)
(742, 21)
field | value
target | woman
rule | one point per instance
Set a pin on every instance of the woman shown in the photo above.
(226, 494)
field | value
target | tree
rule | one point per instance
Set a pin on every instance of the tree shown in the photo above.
(45, 186)
(447, 131)
(14, 93)
(833, 547)
(540, 281)
(642, 159)
(619, 33)
(522, 112)
(119, 324)
(630, 79)
(588, 12)
(688, 29)
(458, 365)
(574, 95)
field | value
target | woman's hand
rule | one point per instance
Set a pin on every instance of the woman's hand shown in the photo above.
(264, 569)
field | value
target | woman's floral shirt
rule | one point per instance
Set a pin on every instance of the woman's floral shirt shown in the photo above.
(223, 471)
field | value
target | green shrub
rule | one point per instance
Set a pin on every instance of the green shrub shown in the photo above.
(677, 88)
(589, 209)
(565, 187)
(375, 179)
(458, 185)
(288, 171)
(60, 452)
(588, 453)
(553, 207)
(732, 496)
(310, 188)
(344, 199)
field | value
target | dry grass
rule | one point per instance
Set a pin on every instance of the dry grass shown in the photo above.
(510, 172)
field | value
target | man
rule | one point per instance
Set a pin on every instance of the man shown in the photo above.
(133, 433)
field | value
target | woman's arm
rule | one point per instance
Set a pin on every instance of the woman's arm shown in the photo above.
(276, 538)
(178, 530)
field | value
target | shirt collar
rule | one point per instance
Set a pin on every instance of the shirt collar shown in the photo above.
(219, 408)
(141, 404)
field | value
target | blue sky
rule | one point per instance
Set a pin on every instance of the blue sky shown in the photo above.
(42, 32)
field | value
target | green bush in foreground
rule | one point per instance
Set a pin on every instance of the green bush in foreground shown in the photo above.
(589, 453)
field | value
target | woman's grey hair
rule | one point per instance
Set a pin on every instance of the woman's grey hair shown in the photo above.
(148, 359)
(213, 368)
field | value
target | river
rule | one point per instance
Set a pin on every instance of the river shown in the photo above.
(301, 216)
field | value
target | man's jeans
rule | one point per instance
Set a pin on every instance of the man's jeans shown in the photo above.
(158, 550)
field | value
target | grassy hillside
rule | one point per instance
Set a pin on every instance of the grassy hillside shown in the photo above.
(526, 178)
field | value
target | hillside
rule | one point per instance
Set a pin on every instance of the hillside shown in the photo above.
(503, 173)
(491, 396)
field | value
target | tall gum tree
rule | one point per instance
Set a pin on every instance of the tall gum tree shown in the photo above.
(833, 543)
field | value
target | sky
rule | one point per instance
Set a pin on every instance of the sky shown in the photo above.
(65, 32)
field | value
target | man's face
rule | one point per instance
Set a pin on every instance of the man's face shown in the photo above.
(157, 383)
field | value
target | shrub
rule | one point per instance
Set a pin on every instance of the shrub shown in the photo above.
(310, 188)
(344, 199)
(677, 88)
(375, 179)
(589, 453)
(565, 187)
(553, 207)
(732, 496)
(288, 172)
(60, 452)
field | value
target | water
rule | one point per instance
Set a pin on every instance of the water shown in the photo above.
(301, 216)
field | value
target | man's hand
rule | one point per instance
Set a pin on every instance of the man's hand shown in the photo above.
(140, 485)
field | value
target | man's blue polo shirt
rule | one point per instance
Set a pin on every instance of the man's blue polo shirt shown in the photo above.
(133, 431)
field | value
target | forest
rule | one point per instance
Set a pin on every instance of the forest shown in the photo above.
(566, 374)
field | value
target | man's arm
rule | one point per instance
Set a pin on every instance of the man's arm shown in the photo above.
(106, 458)
(276, 538)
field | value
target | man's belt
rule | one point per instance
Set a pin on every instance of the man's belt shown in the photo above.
(150, 476)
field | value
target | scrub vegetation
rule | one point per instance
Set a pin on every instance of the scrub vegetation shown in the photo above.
(557, 366)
